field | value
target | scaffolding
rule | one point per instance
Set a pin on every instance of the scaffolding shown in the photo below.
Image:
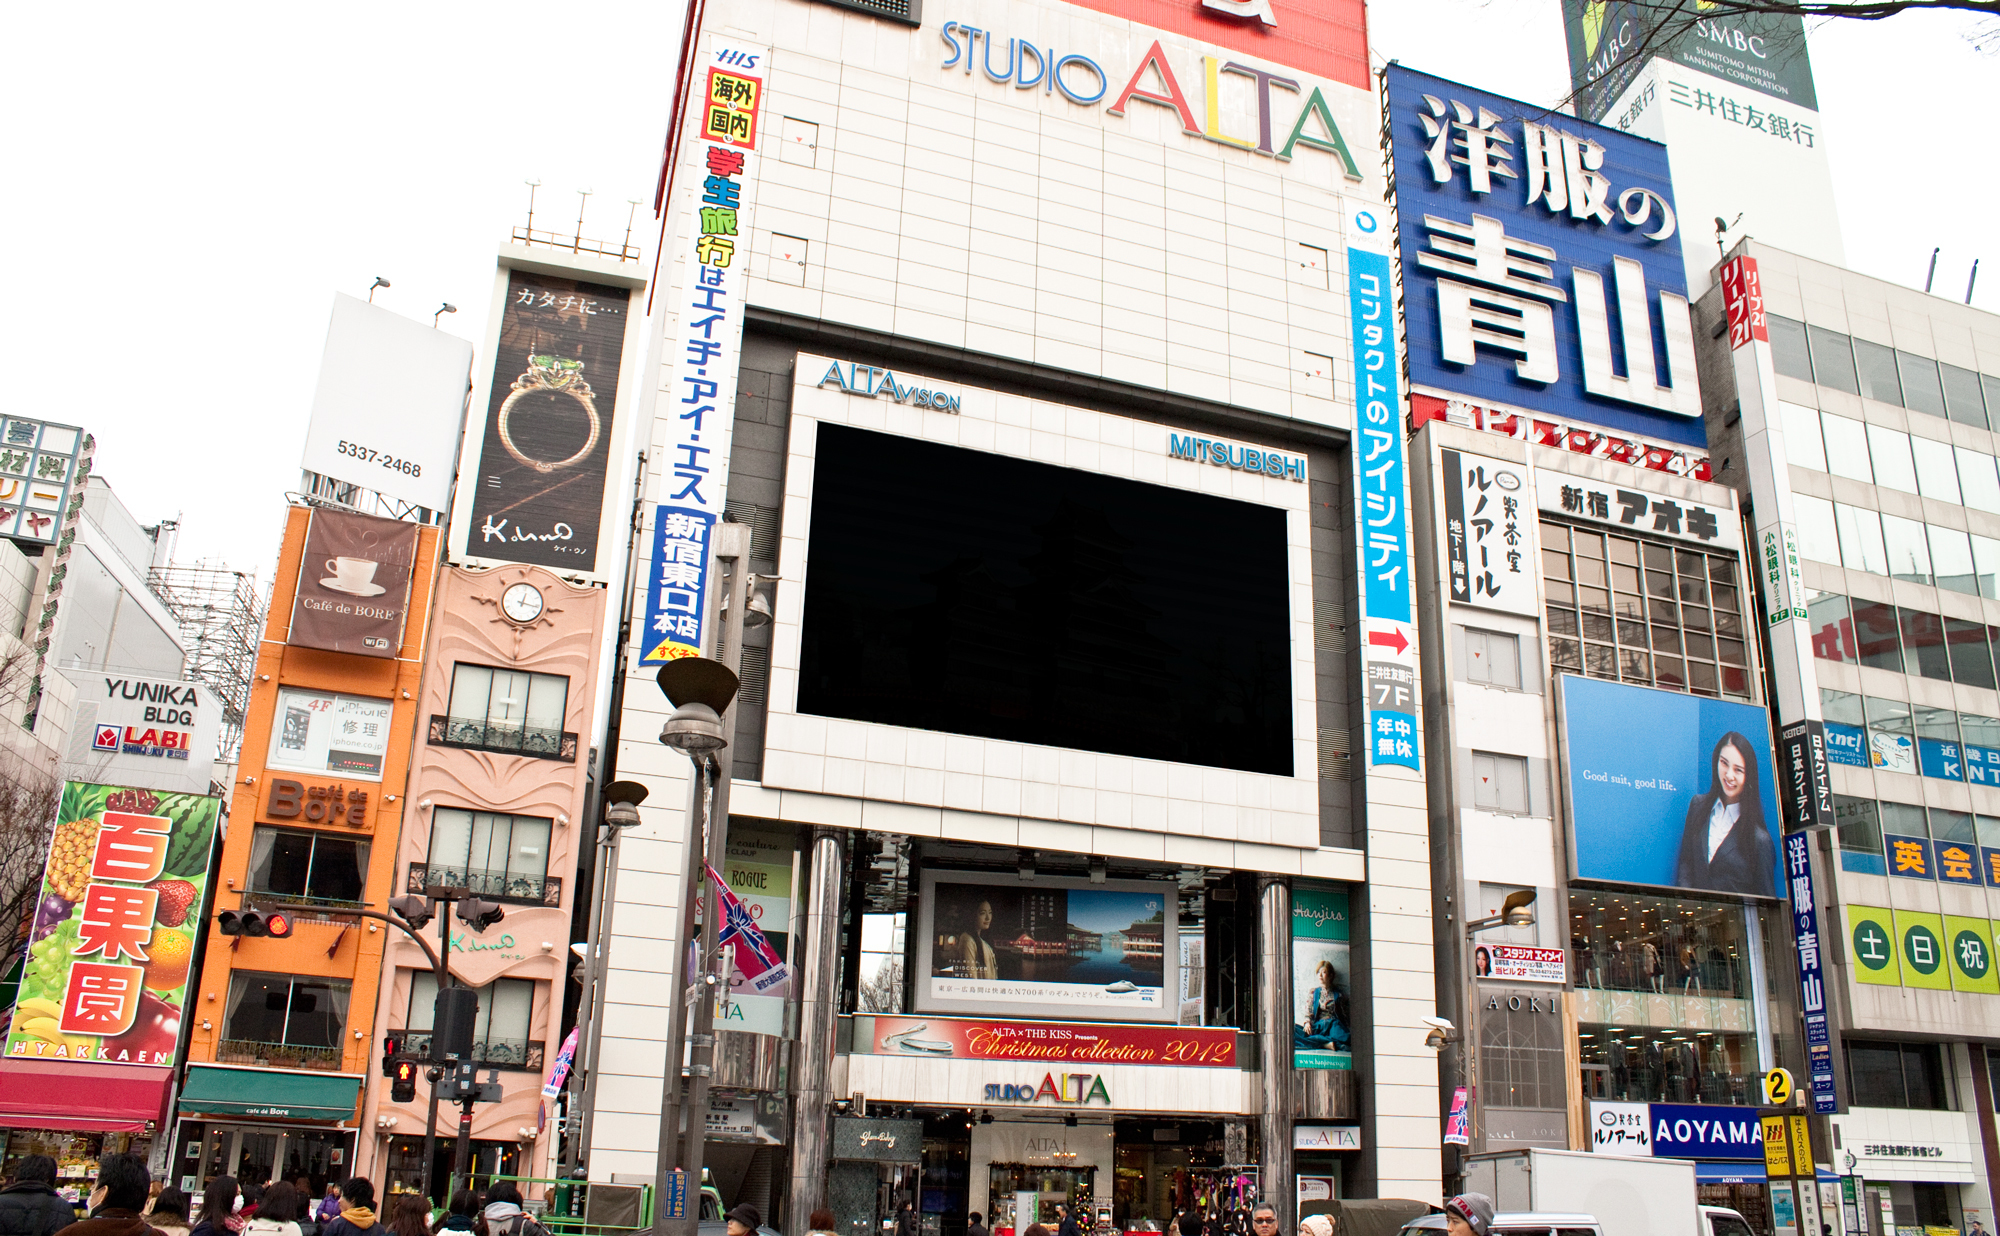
(221, 616)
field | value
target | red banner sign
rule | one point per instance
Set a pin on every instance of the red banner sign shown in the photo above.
(957, 1038)
(1743, 301)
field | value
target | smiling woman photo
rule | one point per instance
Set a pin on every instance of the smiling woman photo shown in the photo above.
(1725, 845)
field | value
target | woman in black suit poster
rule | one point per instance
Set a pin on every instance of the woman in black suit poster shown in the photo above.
(1725, 845)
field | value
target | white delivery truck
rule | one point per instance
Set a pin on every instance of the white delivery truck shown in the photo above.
(1627, 1196)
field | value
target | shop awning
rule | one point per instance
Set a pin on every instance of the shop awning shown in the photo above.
(282, 1094)
(1747, 1172)
(94, 1098)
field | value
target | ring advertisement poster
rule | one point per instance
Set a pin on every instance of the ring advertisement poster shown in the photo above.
(545, 452)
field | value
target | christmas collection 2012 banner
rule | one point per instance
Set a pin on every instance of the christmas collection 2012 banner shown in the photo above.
(954, 1038)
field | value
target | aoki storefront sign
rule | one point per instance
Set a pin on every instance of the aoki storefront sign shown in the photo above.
(872, 382)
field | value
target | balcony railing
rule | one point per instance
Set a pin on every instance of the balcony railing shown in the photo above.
(499, 885)
(478, 735)
(520, 1055)
(277, 1055)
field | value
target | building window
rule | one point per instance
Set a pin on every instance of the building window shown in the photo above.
(282, 1021)
(1905, 1075)
(1644, 612)
(489, 854)
(1883, 373)
(1500, 783)
(506, 710)
(501, 1032)
(1642, 1065)
(1859, 827)
(306, 866)
(1492, 658)
(879, 986)
(1855, 631)
(321, 732)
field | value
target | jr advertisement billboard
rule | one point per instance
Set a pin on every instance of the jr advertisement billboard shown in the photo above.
(1527, 238)
(122, 900)
(1669, 789)
(1047, 945)
(543, 460)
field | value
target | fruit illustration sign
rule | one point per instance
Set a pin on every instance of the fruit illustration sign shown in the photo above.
(114, 932)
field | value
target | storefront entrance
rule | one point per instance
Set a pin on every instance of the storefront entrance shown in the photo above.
(261, 1154)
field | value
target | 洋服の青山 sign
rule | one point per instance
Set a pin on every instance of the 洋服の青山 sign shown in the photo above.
(878, 383)
(1053, 1042)
(1281, 130)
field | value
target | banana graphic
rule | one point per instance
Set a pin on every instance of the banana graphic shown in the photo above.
(38, 1006)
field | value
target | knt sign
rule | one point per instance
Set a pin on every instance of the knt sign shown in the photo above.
(1519, 228)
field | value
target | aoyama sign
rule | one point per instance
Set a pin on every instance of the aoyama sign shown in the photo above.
(151, 732)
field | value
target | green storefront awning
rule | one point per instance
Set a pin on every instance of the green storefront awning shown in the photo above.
(281, 1094)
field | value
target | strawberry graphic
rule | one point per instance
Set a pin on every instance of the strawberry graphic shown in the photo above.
(176, 899)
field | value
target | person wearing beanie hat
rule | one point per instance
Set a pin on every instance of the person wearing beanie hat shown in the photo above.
(1469, 1214)
(1316, 1225)
(744, 1220)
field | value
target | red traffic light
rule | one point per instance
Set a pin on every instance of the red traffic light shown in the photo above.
(403, 1086)
(253, 923)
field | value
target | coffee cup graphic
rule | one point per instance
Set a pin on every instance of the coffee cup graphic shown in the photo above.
(356, 575)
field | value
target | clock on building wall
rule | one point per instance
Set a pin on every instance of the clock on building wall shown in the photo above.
(522, 603)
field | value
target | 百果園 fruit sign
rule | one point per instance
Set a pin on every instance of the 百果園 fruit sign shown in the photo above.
(113, 939)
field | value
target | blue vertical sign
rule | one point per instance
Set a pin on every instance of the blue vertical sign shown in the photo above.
(678, 590)
(1812, 981)
(1382, 482)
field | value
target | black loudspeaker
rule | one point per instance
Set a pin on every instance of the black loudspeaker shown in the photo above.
(453, 1019)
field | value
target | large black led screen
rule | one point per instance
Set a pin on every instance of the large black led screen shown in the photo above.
(957, 590)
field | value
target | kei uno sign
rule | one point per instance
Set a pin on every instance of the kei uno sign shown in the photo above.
(1528, 237)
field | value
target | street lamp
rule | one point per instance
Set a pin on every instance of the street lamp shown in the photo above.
(701, 691)
(621, 811)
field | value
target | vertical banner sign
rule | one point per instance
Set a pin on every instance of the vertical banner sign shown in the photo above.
(1743, 302)
(559, 1071)
(1322, 1023)
(545, 455)
(1458, 1125)
(674, 603)
(123, 897)
(1489, 534)
(1812, 981)
(706, 348)
(1389, 643)
(354, 583)
(1808, 786)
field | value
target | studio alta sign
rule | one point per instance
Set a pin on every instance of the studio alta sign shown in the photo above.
(1290, 113)
(1074, 1088)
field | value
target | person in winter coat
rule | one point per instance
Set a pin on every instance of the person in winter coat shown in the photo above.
(31, 1206)
(503, 1215)
(169, 1215)
(329, 1206)
(461, 1215)
(277, 1212)
(126, 1183)
(220, 1202)
(410, 1216)
(357, 1210)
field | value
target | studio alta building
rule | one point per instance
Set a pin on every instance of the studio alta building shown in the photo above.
(1037, 361)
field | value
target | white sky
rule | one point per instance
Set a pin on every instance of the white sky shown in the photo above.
(189, 186)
